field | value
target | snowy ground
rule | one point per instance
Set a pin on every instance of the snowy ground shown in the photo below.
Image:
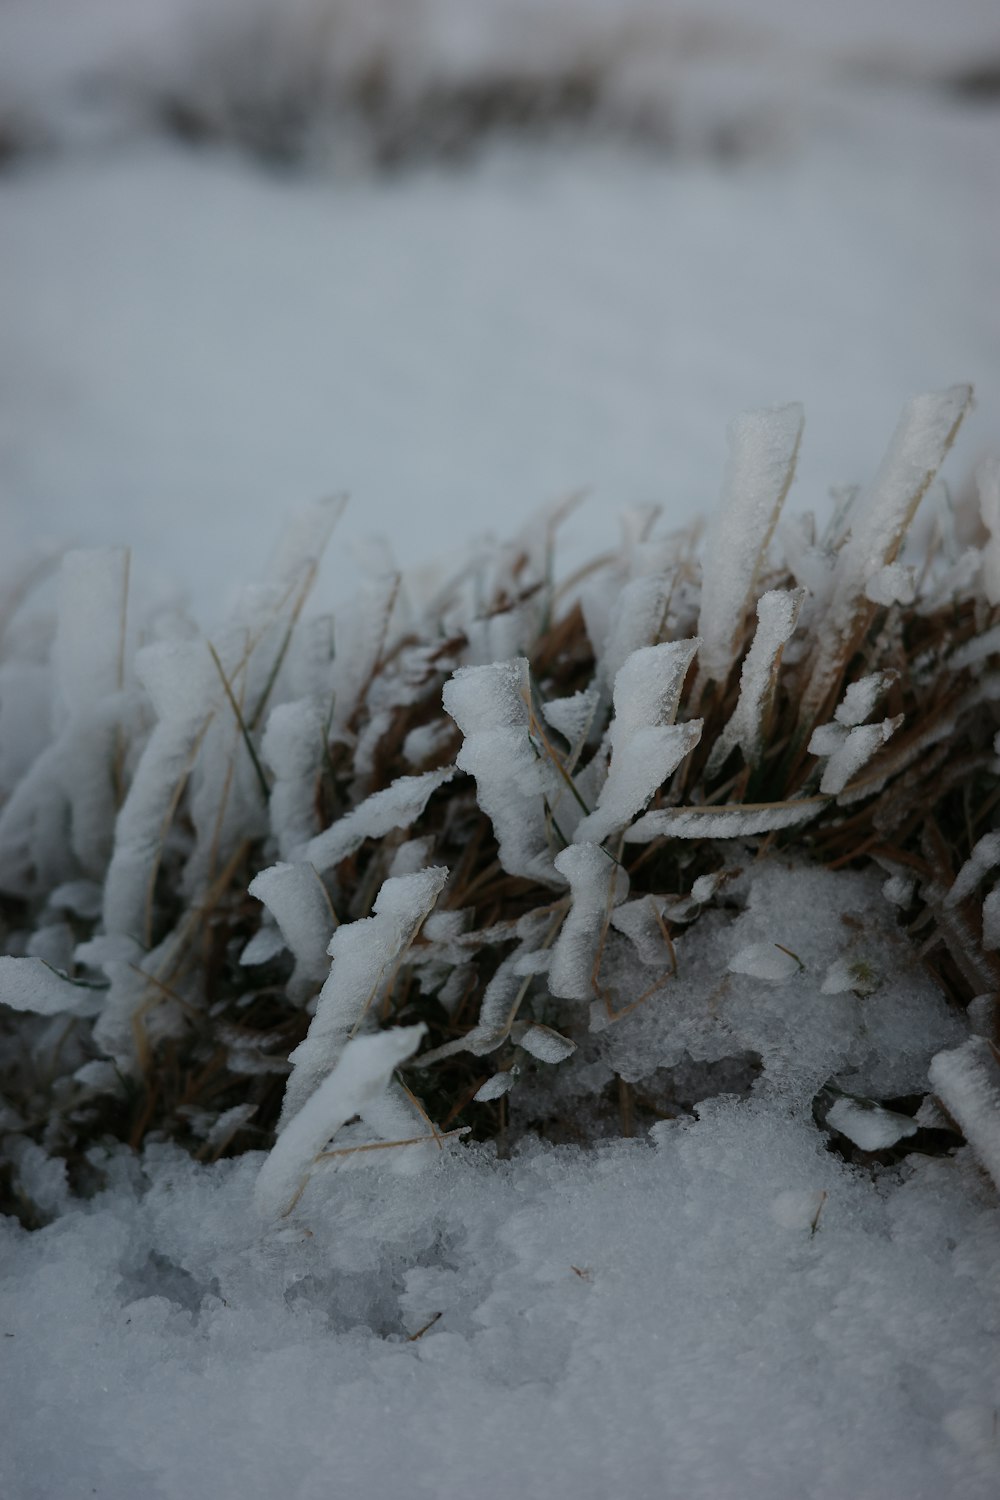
(193, 346)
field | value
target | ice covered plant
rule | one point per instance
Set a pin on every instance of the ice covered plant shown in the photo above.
(337, 885)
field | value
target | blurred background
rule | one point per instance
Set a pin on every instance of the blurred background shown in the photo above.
(463, 257)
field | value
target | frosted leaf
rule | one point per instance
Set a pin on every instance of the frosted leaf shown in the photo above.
(361, 1075)
(879, 521)
(412, 856)
(360, 630)
(764, 961)
(293, 746)
(365, 955)
(899, 890)
(987, 643)
(427, 742)
(637, 618)
(32, 985)
(266, 944)
(397, 806)
(82, 897)
(597, 885)
(648, 688)
(641, 921)
(777, 613)
(763, 450)
(547, 1045)
(967, 1081)
(723, 821)
(862, 698)
(573, 716)
(896, 583)
(490, 706)
(179, 679)
(988, 483)
(853, 752)
(494, 1088)
(638, 769)
(295, 897)
(985, 857)
(869, 1126)
(991, 920)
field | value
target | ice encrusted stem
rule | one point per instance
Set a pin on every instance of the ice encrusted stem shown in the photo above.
(763, 451)
(879, 522)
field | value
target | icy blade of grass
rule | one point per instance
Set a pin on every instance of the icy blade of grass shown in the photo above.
(361, 1075)
(360, 631)
(638, 769)
(985, 856)
(293, 746)
(365, 955)
(597, 885)
(738, 820)
(925, 433)
(182, 686)
(32, 985)
(492, 707)
(777, 614)
(295, 897)
(763, 451)
(850, 751)
(967, 1082)
(397, 806)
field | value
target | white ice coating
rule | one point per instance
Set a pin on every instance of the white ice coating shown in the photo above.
(365, 954)
(30, 984)
(967, 1081)
(490, 705)
(763, 449)
(597, 884)
(850, 751)
(777, 613)
(985, 856)
(869, 1125)
(295, 897)
(293, 746)
(354, 1086)
(730, 821)
(396, 806)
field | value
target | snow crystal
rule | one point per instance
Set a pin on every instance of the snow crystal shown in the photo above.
(722, 821)
(495, 1087)
(850, 753)
(985, 856)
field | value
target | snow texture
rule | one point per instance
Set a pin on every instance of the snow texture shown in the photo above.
(33, 985)
(296, 898)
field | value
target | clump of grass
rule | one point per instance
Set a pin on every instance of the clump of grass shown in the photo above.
(195, 996)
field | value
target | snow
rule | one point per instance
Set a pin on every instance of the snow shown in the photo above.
(720, 1307)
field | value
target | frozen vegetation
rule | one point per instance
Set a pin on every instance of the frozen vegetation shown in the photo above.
(522, 1019)
(572, 1071)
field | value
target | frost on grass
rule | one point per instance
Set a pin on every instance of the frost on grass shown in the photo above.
(734, 900)
(242, 872)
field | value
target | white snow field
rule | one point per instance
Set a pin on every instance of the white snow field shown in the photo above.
(766, 1294)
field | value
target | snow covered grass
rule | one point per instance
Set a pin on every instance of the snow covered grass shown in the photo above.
(344, 955)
